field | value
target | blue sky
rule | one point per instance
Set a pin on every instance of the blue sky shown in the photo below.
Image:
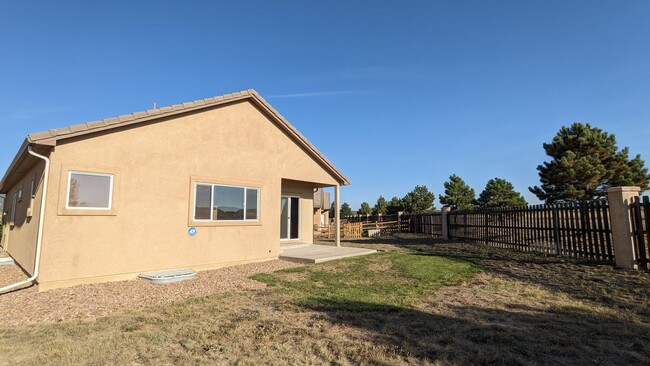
(394, 93)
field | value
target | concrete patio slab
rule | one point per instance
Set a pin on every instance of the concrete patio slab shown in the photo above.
(314, 253)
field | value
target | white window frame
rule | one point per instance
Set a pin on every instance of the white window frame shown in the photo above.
(110, 193)
(212, 185)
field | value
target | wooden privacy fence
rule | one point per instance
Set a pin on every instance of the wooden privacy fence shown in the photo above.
(640, 217)
(580, 230)
(574, 230)
(354, 230)
(427, 223)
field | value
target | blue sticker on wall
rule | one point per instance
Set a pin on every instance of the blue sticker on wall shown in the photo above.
(192, 231)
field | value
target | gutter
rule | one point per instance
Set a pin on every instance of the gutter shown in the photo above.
(39, 237)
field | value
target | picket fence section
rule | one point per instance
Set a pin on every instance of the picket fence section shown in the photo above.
(573, 230)
(579, 230)
(427, 223)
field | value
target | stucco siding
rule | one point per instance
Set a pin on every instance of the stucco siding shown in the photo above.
(20, 240)
(154, 166)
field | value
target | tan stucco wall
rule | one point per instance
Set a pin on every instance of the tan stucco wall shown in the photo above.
(20, 240)
(154, 165)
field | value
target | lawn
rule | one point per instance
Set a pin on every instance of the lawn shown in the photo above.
(420, 302)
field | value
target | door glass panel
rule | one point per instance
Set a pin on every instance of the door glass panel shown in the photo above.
(295, 217)
(284, 218)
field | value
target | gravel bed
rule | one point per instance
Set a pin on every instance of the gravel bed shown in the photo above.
(28, 306)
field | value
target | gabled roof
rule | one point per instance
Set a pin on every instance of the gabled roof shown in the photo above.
(52, 136)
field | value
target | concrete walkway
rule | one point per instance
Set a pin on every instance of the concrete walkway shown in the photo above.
(313, 253)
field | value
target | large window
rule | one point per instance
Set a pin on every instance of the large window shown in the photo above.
(89, 191)
(216, 202)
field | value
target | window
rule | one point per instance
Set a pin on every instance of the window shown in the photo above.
(32, 187)
(14, 206)
(20, 193)
(89, 191)
(215, 202)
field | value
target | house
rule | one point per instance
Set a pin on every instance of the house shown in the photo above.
(199, 185)
(321, 208)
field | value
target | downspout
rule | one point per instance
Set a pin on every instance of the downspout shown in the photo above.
(39, 236)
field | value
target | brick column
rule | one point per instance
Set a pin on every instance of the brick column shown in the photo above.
(619, 199)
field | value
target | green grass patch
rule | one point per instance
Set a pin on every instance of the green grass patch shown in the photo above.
(395, 279)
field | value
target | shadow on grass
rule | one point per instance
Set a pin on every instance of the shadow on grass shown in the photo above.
(480, 335)
(601, 284)
(581, 279)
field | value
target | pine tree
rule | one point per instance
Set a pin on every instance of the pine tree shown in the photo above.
(365, 209)
(458, 195)
(381, 206)
(419, 200)
(345, 210)
(500, 193)
(585, 161)
(394, 206)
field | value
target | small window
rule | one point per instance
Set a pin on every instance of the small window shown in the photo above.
(20, 194)
(214, 202)
(32, 188)
(89, 191)
(14, 206)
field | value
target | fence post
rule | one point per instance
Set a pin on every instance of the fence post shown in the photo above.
(556, 231)
(486, 226)
(619, 199)
(445, 222)
(399, 221)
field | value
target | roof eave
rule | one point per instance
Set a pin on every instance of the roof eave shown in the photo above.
(20, 155)
(51, 137)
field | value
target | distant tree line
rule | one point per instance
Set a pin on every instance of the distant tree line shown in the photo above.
(585, 161)
(458, 195)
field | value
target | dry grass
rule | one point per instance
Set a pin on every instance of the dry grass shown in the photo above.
(523, 309)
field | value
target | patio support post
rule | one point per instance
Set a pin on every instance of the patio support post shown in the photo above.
(337, 209)
(619, 199)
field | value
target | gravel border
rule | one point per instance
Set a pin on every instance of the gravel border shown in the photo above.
(28, 306)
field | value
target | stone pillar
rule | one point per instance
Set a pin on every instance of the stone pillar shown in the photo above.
(445, 222)
(619, 199)
(337, 223)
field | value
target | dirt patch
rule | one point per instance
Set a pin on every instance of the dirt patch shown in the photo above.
(28, 306)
